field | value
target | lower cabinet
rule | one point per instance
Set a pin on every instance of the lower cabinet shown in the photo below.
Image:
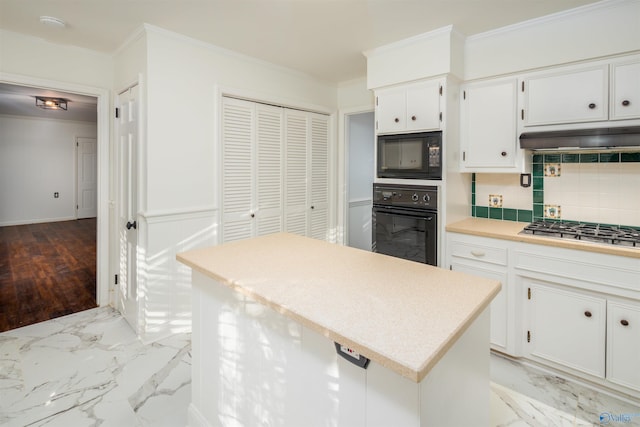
(482, 257)
(566, 327)
(623, 343)
(571, 310)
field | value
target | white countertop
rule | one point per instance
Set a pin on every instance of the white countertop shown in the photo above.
(509, 230)
(401, 314)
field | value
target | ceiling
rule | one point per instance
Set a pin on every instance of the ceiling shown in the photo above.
(322, 38)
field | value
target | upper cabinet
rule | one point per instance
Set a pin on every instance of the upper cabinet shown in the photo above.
(625, 90)
(409, 108)
(565, 96)
(595, 92)
(488, 132)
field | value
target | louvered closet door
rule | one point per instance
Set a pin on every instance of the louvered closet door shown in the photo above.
(269, 135)
(319, 191)
(295, 179)
(237, 164)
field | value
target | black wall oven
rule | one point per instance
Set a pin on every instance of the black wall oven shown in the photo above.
(405, 222)
(410, 156)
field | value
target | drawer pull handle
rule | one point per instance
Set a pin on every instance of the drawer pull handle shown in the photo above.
(624, 322)
(592, 106)
(587, 313)
(626, 103)
(396, 120)
(478, 253)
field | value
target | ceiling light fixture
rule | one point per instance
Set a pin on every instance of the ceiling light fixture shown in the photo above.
(51, 103)
(52, 21)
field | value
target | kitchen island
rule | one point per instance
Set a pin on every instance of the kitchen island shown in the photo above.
(267, 312)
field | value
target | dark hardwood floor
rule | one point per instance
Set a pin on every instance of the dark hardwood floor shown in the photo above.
(46, 271)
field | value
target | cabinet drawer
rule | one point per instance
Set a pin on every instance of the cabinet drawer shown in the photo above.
(479, 252)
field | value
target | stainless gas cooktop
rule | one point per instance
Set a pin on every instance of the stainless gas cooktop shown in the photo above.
(606, 234)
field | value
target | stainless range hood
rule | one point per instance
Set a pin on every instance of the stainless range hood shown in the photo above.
(592, 139)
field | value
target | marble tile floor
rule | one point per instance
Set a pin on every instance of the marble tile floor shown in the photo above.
(88, 369)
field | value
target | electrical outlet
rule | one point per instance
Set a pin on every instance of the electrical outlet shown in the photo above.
(56, 195)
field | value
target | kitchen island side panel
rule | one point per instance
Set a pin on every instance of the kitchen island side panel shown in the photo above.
(254, 366)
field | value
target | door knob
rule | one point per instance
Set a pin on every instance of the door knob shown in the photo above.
(131, 225)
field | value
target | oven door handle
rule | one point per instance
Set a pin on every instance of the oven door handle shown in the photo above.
(408, 214)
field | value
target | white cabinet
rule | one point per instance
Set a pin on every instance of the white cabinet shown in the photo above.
(275, 171)
(306, 178)
(581, 312)
(566, 95)
(485, 258)
(409, 108)
(488, 132)
(251, 169)
(623, 343)
(625, 90)
(567, 328)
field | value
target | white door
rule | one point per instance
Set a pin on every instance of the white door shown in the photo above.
(295, 180)
(87, 185)
(127, 131)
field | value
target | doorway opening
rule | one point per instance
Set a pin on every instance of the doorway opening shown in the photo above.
(360, 148)
(53, 221)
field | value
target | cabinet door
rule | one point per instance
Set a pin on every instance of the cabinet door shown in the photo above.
(319, 179)
(567, 97)
(623, 344)
(567, 328)
(488, 125)
(423, 106)
(391, 110)
(295, 179)
(238, 120)
(268, 170)
(498, 331)
(625, 91)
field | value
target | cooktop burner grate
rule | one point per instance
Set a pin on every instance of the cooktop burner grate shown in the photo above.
(608, 234)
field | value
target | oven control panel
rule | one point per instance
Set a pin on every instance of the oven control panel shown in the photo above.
(416, 196)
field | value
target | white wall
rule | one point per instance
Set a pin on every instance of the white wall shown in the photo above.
(37, 158)
(25, 55)
(182, 82)
(602, 29)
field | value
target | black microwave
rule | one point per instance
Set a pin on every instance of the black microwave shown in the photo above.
(411, 156)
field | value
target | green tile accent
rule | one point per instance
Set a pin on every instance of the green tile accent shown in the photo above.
(538, 210)
(525, 216)
(537, 169)
(473, 198)
(538, 183)
(589, 158)
(509, 214)
(495, 213)
(538, 196)
(482, 211)
(552, 158)
(630, 157)
(473, 211)
(537, 158)
(570, 158)
(609, 157)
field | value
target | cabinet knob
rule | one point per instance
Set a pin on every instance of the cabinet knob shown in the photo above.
(396, 120)
(592, 106)
(626, 103)
(414, 118)
(587, 313)
(313, 207)
(624, 322)
(503, 154)
(253, 215)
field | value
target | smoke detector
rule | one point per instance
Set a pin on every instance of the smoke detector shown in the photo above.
(52, 22)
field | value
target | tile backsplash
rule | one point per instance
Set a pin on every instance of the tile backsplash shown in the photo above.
(601, 188)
